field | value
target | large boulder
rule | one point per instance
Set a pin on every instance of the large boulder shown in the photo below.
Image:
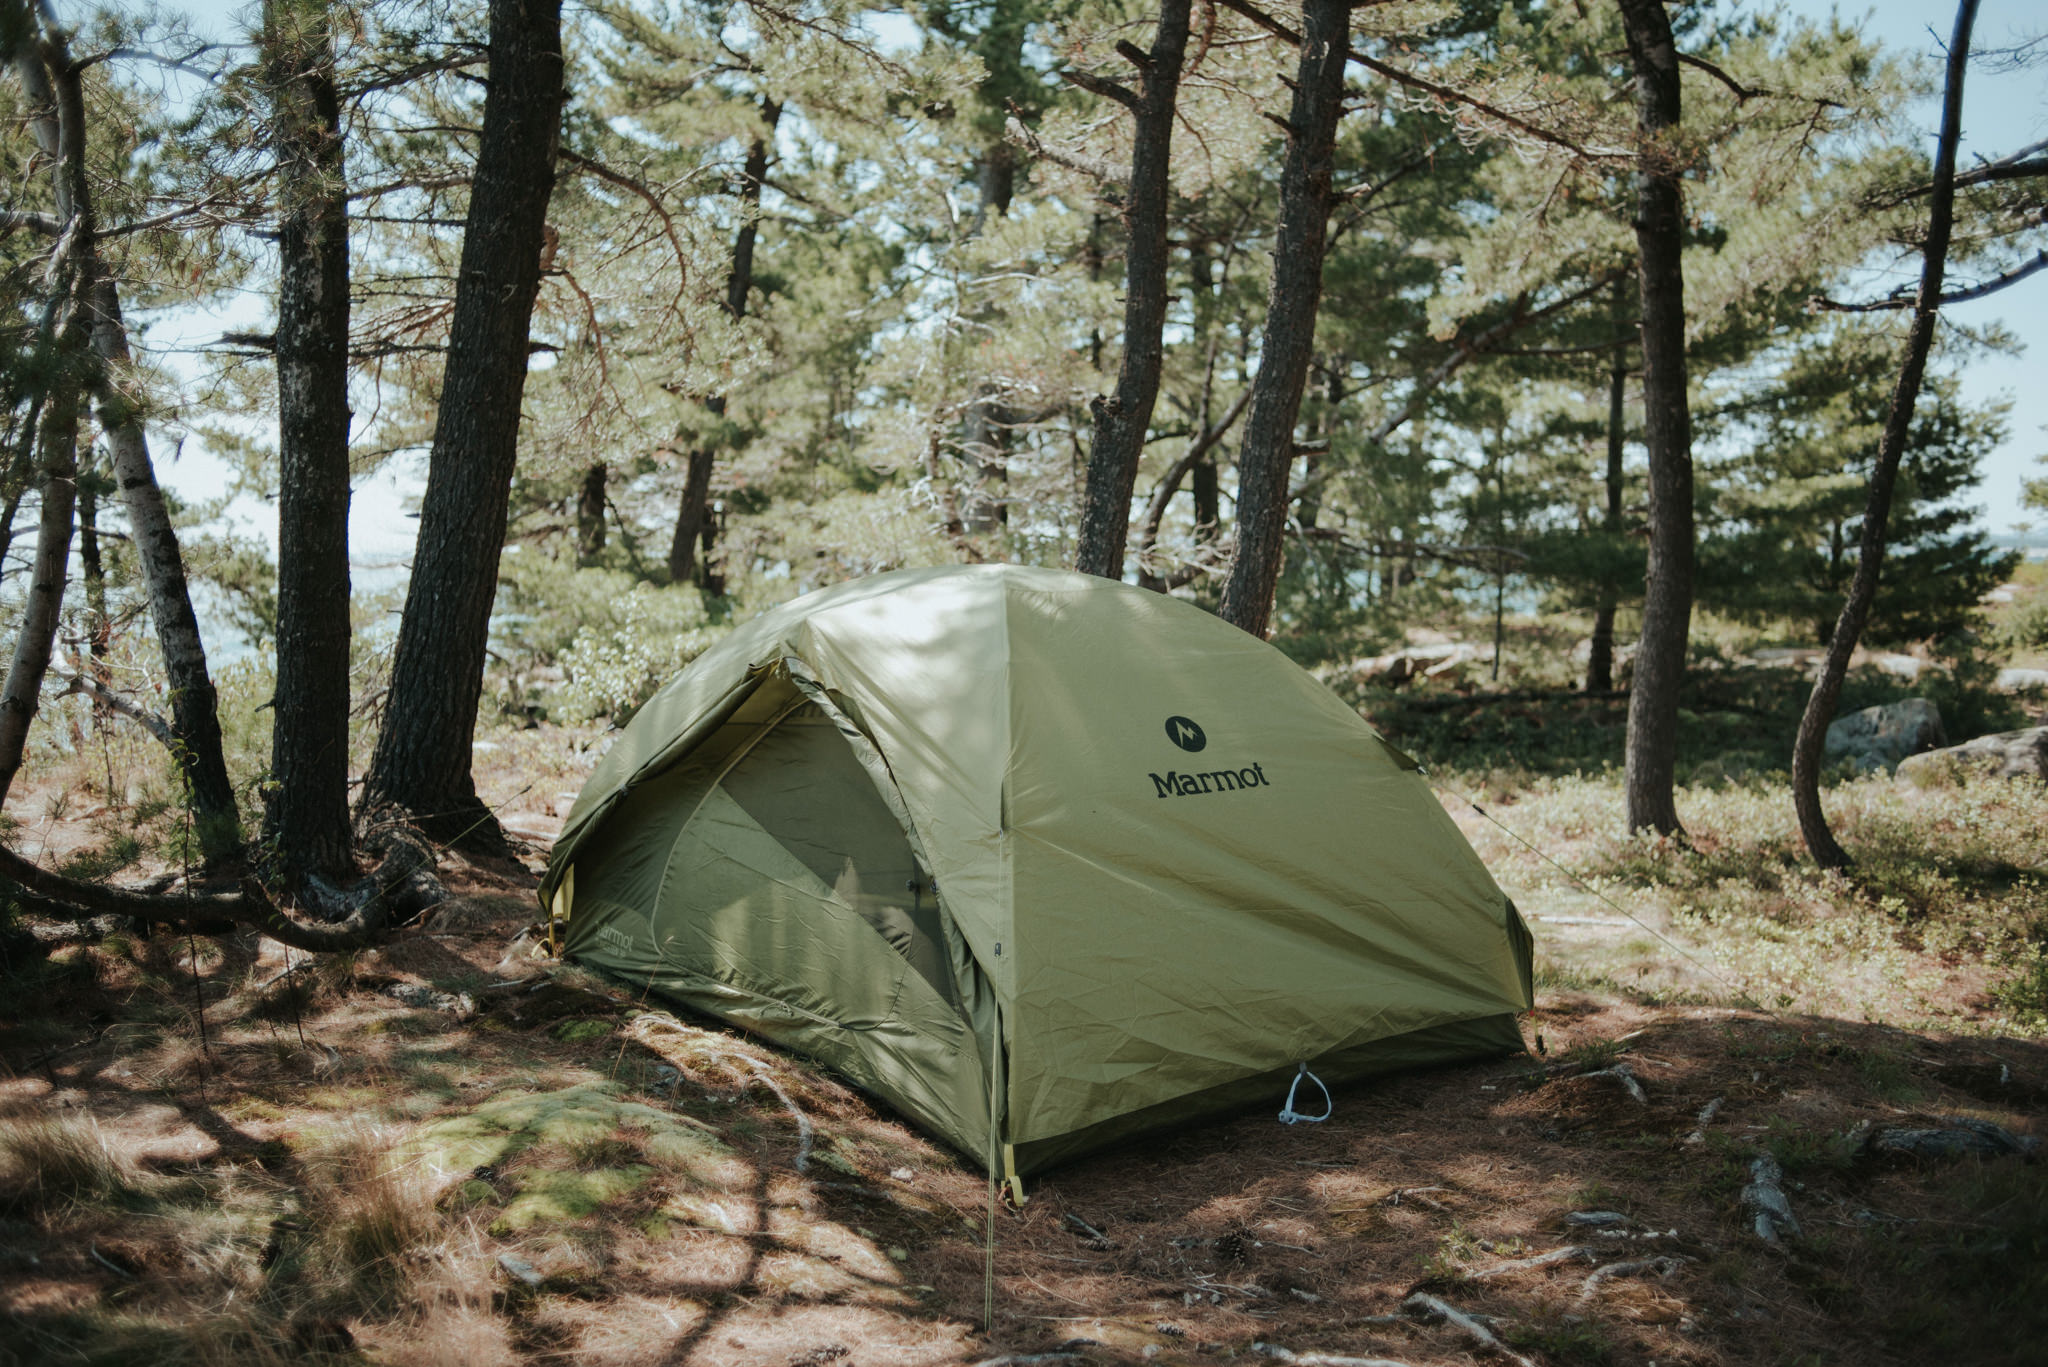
(1879, 737)
(2010, 754)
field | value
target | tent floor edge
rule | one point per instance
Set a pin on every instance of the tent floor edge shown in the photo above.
(1464, 1041)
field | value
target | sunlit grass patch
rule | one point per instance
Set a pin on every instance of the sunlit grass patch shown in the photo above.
(52, 1161)
(1939, 922)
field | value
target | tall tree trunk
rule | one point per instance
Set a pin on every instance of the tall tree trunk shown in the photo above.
(99, 627)
(53, 84)
(695, 528)
(1205, 487)
(590, 514)
(694, 516)
(1827, 689)
(57, 470)
(1122, 420)
(1267, 452)
(1652, 755)
(306, 822)
(1600, 666)
(422, 759)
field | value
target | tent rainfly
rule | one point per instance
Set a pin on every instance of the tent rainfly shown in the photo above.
(1039, 859)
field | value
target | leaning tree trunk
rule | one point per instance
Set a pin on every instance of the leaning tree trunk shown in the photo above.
(57, 438)
(1267, 453)
(53, 84)
(1652, 755)
(1600, 665)
(1827, 689)
(195, 708)
(422, 759)
(306, 821)
(695, 531)
(1121, 421)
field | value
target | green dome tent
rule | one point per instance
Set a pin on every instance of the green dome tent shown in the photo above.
(1038, 858)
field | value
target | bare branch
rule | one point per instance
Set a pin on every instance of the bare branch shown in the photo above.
(1820, 304)
(49, 225)
(1097, 85)
(1020, 134)
(149, 721)
(1169, 483)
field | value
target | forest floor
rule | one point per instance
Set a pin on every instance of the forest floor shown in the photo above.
(453, 1149)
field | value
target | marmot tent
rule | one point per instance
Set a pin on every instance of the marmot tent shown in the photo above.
(1038, 858)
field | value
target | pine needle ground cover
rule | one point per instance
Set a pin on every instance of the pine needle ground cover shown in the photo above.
(452, 1148)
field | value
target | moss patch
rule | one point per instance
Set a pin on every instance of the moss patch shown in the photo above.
(557, 1197)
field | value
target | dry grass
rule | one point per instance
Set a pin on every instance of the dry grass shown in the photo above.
(51, 1161)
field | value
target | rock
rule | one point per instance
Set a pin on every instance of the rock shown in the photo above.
(521, 1269)
(1764, 1198)
(1800, 656)
(2008, 755)
(1879, 737)
(1957, 1136)
(1597, 1219)
(2022, 681)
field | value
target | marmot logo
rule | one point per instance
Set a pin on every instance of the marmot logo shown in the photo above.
(1174, 784)
(1185, 734)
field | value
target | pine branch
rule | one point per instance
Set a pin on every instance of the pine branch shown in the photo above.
(1428, 87)
(1744, 94)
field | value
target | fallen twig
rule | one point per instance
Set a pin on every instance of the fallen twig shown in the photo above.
(1094, 1235)
(1625, 1075)
(108, 1263)
(1663, 1266)
(1279, 1354)
(803, 1122)
(1556, 1255)
(1427, 1304)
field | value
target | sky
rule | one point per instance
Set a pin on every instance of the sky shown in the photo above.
(2002, 113)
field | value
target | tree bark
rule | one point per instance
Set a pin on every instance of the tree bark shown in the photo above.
(1600, 665)
(590, 514)
(422, 759)
(1122, 420)
(306, 821)
(1827, 689)
(693, 517)
(57, 470)
(696, 532)
(52, 83)
(195, 707)
(1652, 748)
(1267, 452)
(99, 629)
